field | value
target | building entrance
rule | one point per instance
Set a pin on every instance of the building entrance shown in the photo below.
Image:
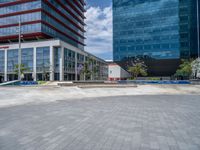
(12, 77)
(1, 78)
(28, 77)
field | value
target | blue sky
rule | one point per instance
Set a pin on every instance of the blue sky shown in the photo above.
(99, 28)
(100, 3)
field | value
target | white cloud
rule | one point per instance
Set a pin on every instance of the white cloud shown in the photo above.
(99, 31)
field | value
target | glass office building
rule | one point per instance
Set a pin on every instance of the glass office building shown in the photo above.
(52, 37)
(159, 31)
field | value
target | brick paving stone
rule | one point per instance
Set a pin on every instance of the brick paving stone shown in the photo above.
(165, 122)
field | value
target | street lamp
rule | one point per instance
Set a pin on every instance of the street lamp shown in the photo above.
(19, 51)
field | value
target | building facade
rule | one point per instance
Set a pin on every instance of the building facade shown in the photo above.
(116, 72)
(50, 60)
(43, 19)
(52, 40)
(159, 31)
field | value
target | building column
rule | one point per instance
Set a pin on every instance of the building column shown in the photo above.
(76, 63)
(51, 63)
(84, 66)
(34, 64)
(62, 64)
(6, 65)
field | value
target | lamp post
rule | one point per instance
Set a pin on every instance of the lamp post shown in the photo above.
(198, 28)
(19, 51)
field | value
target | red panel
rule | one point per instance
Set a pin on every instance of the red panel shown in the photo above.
(71, 13)
(38, 10)
(69, 28)
(15, 3)
(47, 24)
(21, 12)
(23, 23)
(25, 36)
(59, 12)
(4, 47)
(82, 2)
(79, 5)
(61, 32)
(74, 8)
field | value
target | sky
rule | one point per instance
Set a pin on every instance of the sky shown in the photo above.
(99, 28)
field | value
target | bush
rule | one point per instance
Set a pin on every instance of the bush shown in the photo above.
(154, 78)
(41, 82)
(185, 69)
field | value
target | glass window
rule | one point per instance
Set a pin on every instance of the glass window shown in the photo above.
(12, 60)
(24, 29)
(69, 60)
(146, 27)
(43, 59)
(2, 59)
(20, 7)
(24, 18)
(27, 59)
(57, 55)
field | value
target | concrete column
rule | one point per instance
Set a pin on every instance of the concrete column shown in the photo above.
(6, 65)
(51, 63)
(34, 64)
(84, 66)
(76, 68)
(62, 64)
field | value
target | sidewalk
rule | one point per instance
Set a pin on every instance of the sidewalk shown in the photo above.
(22, 95)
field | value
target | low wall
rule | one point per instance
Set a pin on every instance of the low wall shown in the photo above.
(195, 82)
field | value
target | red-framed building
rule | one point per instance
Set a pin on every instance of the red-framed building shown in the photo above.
(52, 46)
(43, 19)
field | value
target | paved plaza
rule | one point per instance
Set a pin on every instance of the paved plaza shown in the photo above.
(148, 122)
(12, 96)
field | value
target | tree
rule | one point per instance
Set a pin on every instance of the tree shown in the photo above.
(185, 69)
(45, 70)
(45, 74)
(86, 71)
(196, 68)
(137, 67)
(23, 69)
(90, 69)
(96, 71)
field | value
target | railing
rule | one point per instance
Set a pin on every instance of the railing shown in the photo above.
(19, 83)
(10, 83)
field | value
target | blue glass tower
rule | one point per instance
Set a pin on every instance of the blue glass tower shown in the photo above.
(159, 31)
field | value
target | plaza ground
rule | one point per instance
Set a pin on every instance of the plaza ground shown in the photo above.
(148, 117)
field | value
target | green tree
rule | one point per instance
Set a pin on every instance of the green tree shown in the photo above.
(23, 69)
(137, 67)
(90, 69)
(91, 66)
(86, 71)
(185, 69)
(96, 71)
(45, 74)
(196, 68)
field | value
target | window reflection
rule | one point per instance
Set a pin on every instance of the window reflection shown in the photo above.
(27, 59)
(2, 56)
(43, 59)
(12, 60)
(146, 28)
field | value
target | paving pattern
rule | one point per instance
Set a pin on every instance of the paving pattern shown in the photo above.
(112, 123)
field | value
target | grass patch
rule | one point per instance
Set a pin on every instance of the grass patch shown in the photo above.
(41, 82)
